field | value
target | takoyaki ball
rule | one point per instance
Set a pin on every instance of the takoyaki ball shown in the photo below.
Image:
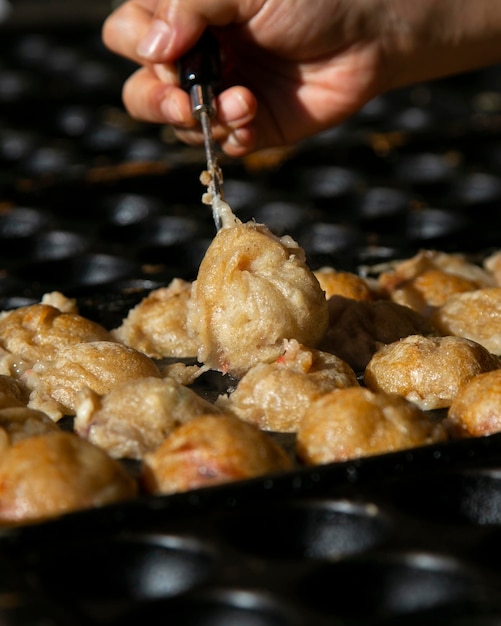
(19, 422)
(210, 450)
(253, 290)
(357, 422)
(157, 325)
(55, 473)
(60, 301)
(428, 371)
(135, 417)
(99, 365)
(13, 392)
(475, 315)
(275, 396)
(492, 264)
(430, 278)
(476, 409)
(347, 284)
(357, 329)
(40, 331)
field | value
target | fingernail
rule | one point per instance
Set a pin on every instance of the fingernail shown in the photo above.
(155, 41)
(238, 137)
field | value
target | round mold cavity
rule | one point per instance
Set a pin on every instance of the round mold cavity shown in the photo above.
(330, 186)
(76, 271)
(127, 566)
(55, 160)
(425, 169)
(59, 244)
(383, 205)
(317, 529)
(379, 586)
(22, 222)
(280, 217)
(16, 144)
(478, 190)
(166, 230)
(243, 194)
(458, 497)
(436, 225)
(215, 608)
(184, 257)
(327, 238)
(129, 209)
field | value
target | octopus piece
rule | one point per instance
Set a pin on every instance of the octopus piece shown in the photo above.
(19, 422)
(99, 365)
(357, 329)
(428, 371)
(48, 475)
(357, 422)
(476, 409)
(39, 332)
(347, 284)
(253, 290)
(157, 325)
(275, 396)
(134, 418)
(210, 450)
(430, 278)
(475, 315)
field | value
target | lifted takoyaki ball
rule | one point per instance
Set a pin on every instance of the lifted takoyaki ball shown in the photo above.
(430, 278)
(19, 422)
(99, 365)
(347, 284)
(48, 475)
(135, 417)
(357, 329)
(475, 315)
(253, 290)
(357, 422)
(428, 371)
(209, 450)
(476, 409)
(39, 332)
(157, 325)
(275, 396)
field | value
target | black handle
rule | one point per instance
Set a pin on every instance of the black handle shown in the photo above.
(201, 65)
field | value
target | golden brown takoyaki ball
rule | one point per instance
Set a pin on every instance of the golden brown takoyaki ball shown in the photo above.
(157, 325)
(428, 279)
(357, 422)
(347, 284)
(40, 331)
(253, 290)
(357, 329)
(209, 450)
(99, 365)
(275, 396)
(475, 315)
(135, 417)
(476, 409)
(48, 475)
(428, 371)
(19, 422)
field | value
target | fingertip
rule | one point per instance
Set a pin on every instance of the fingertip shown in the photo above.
(236, 106)
(176, 108)
(239, 142)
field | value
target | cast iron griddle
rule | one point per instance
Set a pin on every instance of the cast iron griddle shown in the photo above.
(105, 209)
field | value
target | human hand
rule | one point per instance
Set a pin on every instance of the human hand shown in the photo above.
(292, 69)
